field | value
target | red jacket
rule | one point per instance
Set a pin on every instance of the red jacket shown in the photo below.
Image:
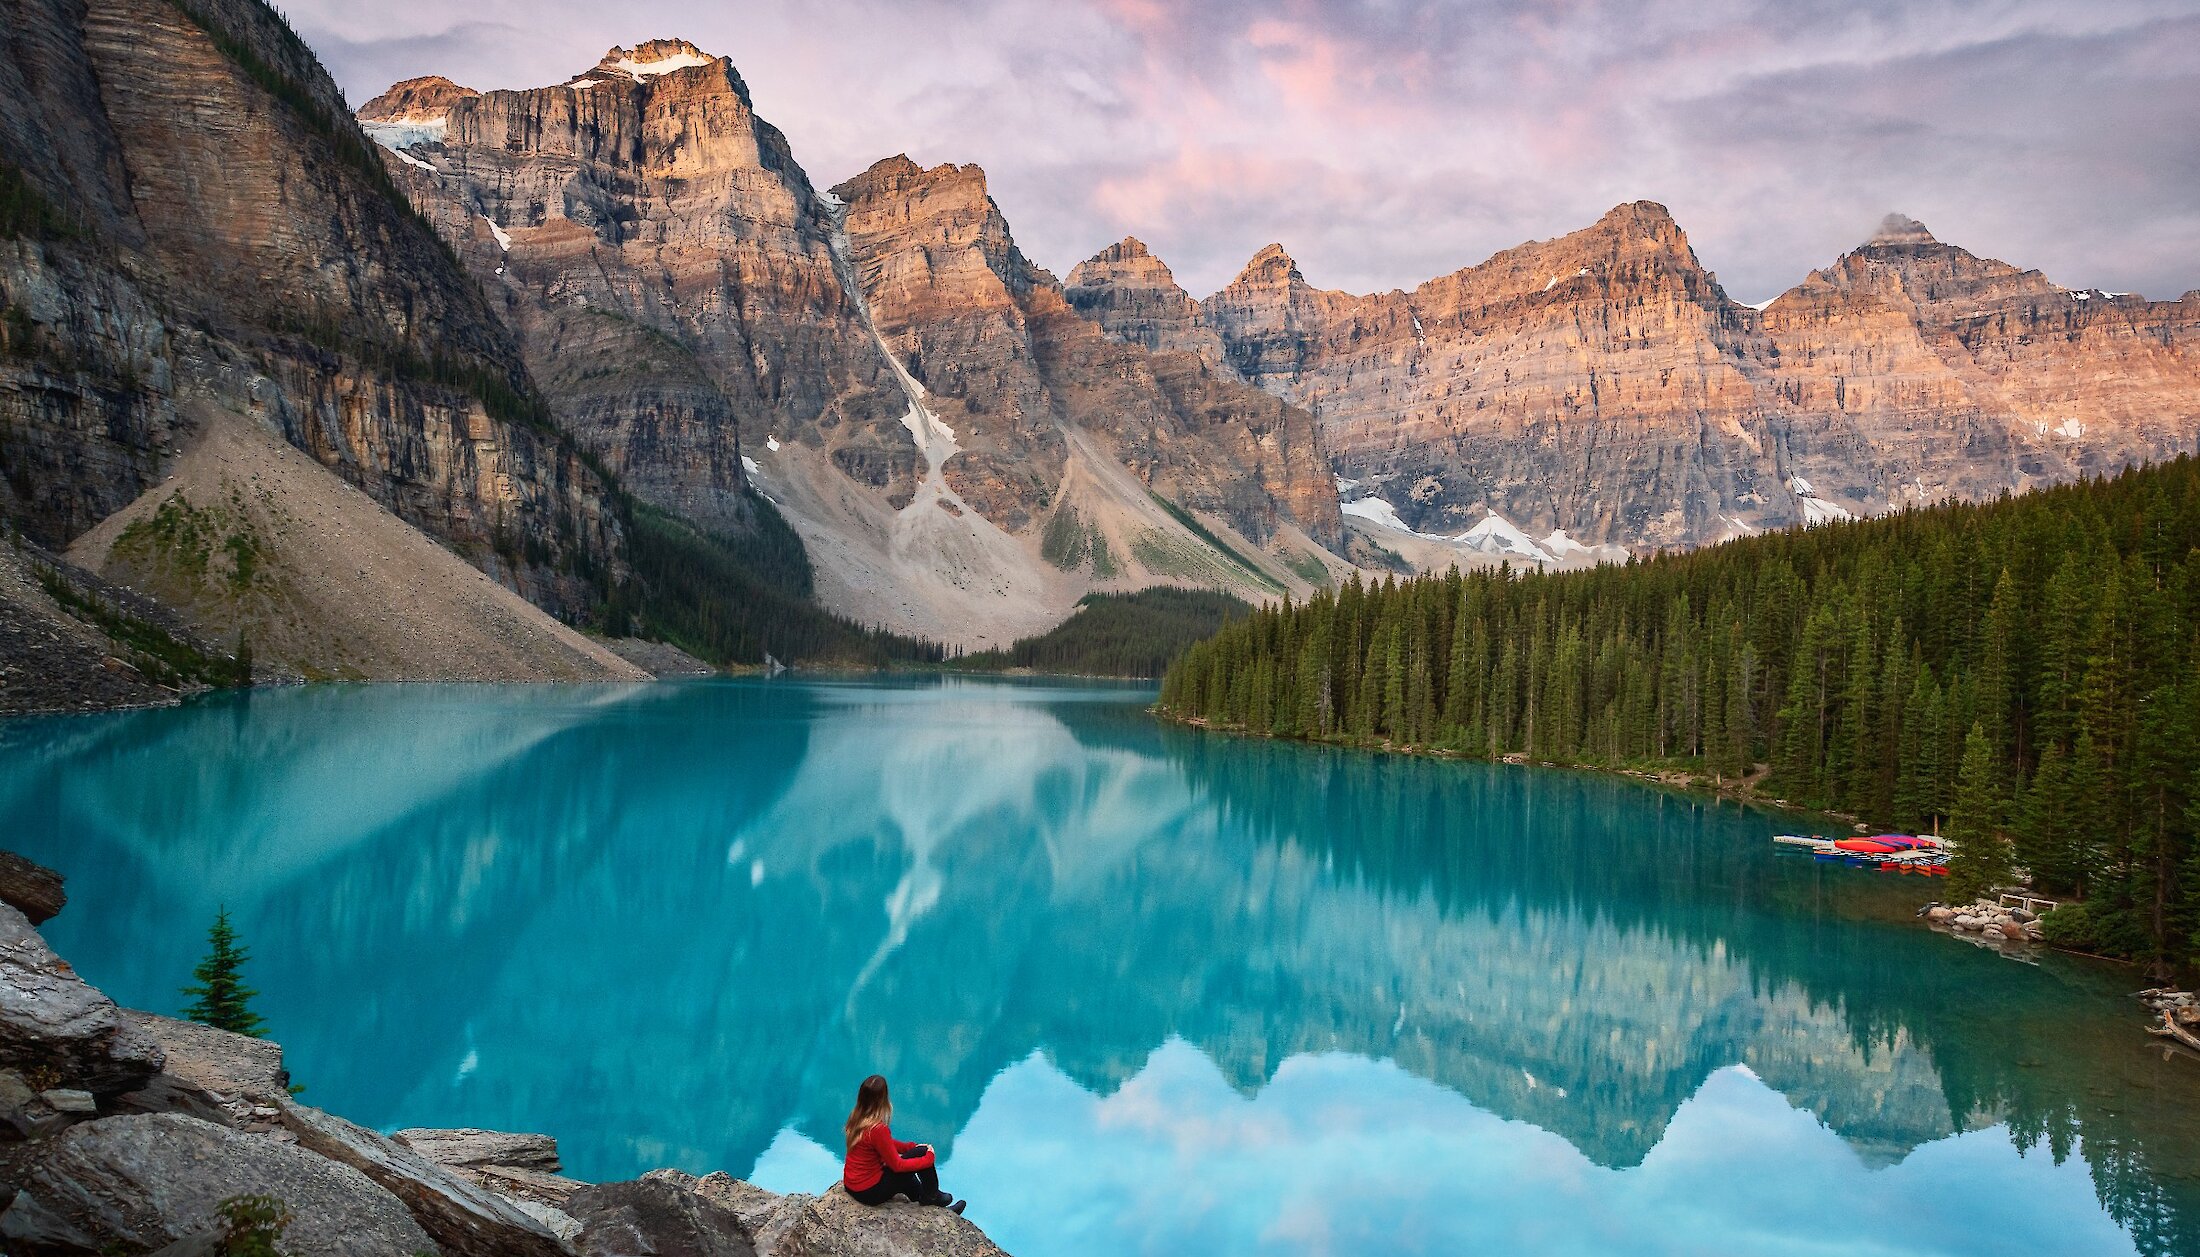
(874, 1154)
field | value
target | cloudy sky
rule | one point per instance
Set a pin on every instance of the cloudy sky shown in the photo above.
(1387, 141)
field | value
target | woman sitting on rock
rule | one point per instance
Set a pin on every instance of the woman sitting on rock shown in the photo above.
(880, 1167)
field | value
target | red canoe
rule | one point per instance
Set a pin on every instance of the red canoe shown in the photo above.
(1906, 842)
(1865, 846)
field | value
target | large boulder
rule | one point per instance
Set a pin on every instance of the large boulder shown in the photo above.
(466, 1220)
(470, 1148)
(837, 1225)
(30, 888)
(232, 1066)
(660, 1213)
(135, 1184)
(56, 1029)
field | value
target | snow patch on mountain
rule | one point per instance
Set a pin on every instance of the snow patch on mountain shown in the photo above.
(1377, 511)
(660, 65)
(1499, 536)
(1816, 510)
(401, 133)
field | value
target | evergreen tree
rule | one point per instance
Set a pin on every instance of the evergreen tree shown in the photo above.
(222, 1000)
(2023, 674)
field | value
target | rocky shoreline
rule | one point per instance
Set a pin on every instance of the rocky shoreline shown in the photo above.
(124, 1132)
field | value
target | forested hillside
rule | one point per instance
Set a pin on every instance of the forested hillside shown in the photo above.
(1119, 635)
(2019, 674)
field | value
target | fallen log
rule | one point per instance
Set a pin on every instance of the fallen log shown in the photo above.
(2169, 1029)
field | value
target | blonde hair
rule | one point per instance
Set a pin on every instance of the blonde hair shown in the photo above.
(873, 1108)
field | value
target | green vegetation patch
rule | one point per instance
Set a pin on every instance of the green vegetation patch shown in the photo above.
(1307, 567)
(162, 657)
(211, 549)
(1201, 531)
(733, 599)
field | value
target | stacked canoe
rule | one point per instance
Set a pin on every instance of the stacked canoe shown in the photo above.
(1888, 853)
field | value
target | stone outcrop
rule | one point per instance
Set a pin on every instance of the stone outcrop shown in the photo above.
(471, 1148)
(464, 1219)
(658, 1214)
(669, 1212)
(231, 1066)
(1605, 384)
(139, 1183)
(57, 1029)
(30, 888)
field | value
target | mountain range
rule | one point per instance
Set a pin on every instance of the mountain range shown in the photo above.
(555, 331)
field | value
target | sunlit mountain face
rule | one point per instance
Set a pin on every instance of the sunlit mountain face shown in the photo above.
(1146, 989)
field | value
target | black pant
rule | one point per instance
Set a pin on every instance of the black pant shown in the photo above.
(922, 1186)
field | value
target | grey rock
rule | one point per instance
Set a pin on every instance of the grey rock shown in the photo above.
(555, 1220)
(141, 1183)
(522, 1185)
(30, 888)
(210, 1244)
(51, 1021)
(78, 1103)
(660, 1213)
(216, 1061)
(470, 1147)
(837, 1225)
(465, 1219)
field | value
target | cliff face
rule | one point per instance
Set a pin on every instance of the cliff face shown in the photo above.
(1132, 293)
(666, 264)
(217, 230)
(919, 400)
(1603, 383)
(1023, 375)
(1966, 376)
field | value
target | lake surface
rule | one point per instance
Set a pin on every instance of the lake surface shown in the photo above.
(1149, 990)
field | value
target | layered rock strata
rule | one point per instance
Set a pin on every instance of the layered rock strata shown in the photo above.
(1605, 385)
(209, 226)
(881, 361)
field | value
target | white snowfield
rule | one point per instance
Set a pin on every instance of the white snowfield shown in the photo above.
(1494, 535)
(662, 65)
(1377, 511)
(504, 241)
(399, 134)
(1500, 536)
(1816, 510)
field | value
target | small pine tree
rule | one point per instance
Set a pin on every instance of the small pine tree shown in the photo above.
(222, 1000)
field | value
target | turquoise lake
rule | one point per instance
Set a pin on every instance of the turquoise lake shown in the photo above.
(1149, 990)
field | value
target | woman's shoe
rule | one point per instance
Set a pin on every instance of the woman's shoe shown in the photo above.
(957, 1207)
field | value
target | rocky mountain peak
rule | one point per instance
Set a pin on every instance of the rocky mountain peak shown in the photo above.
(651, 59)
(1270, 266)
(1129, 248)
(425, 99)
(1900, 229)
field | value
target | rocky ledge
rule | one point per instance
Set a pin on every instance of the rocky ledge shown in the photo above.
(124, 1132)
(1986, 919)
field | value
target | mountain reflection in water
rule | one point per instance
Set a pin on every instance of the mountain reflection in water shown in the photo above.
(1148, 989)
